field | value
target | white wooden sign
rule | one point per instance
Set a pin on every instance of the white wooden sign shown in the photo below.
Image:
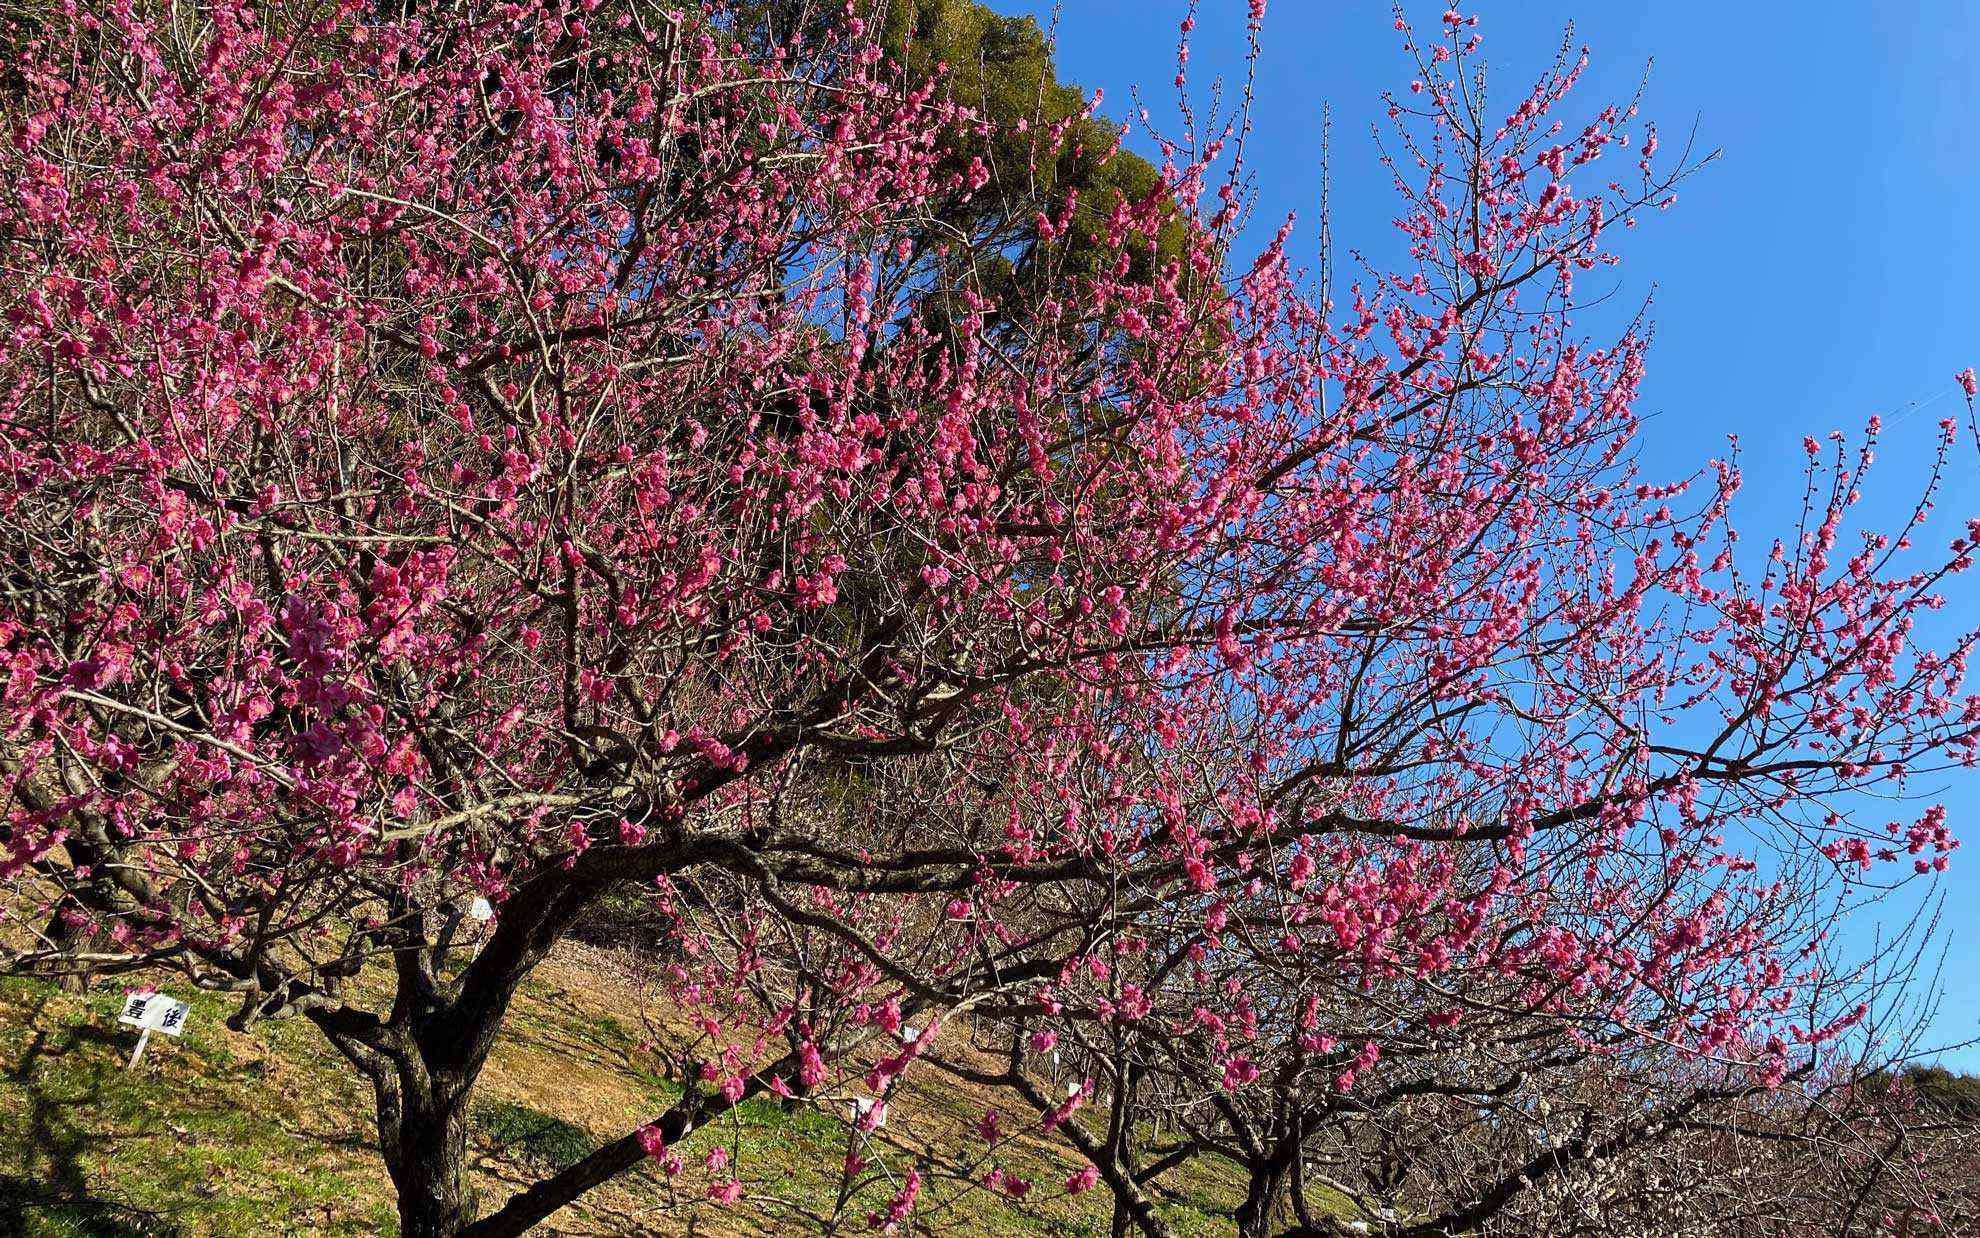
(155, 1012)
(152, 1012)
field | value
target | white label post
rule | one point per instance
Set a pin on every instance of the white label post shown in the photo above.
(152, 1012)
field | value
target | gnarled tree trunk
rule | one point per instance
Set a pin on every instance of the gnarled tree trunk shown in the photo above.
(422, 1128)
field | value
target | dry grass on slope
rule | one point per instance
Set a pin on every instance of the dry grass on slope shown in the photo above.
(268, 1132)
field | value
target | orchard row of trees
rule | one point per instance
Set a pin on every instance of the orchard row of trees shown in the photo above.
(778, 463)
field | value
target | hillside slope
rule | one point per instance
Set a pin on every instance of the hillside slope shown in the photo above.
(268, 1132)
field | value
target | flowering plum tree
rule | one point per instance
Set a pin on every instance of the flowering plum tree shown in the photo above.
(530, 452)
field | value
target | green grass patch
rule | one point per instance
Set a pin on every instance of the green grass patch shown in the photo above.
(197, 1139)
(801, 1121)
(521, 1132)
(227, 1134)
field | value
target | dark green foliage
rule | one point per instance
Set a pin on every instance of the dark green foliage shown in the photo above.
(1953, 1092)
(1002, 66)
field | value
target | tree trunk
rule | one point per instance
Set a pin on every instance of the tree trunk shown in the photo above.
(69, 932)
(1262, 1198)
(1123, 1222)
(422, 1126)
(73, 926)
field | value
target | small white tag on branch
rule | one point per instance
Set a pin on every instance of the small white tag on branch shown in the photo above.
(864, 1105)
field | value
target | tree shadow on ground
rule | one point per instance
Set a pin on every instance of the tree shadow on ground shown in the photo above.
(54, 1195)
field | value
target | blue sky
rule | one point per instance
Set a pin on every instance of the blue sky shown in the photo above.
(1821, 270)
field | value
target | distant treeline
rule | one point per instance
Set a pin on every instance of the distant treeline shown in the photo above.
(1955, 1092)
